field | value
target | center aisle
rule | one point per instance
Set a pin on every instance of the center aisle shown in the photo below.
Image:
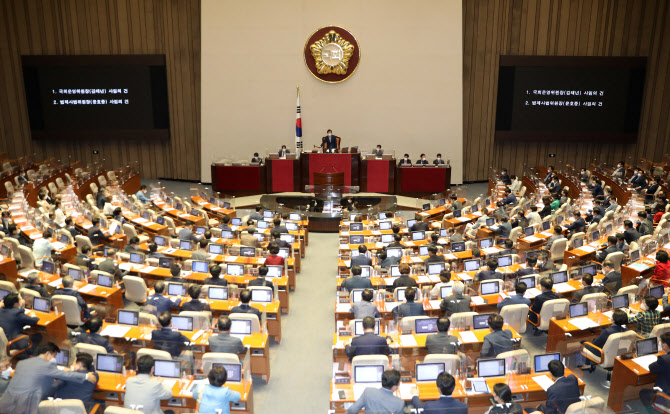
(302, 365)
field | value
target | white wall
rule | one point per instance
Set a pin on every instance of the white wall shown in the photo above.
(405, 95)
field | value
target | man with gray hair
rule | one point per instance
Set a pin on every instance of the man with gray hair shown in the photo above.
(33, 280)
(248, 239)
(68, 290)
(457, 301)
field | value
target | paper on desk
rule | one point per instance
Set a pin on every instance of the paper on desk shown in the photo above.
(195, 383)
(639, 266)
(58, 245)
(588, 249)
(409, 244)
(468, 337)
(546, 234)
(342, 307)
(347, 263)
(435, 304)
(531, 293)
(169, 250)
(171, 382)
(478, 300)
(149, 223)
(391, 305)
(408, 340)
(87, 288)
(583, 323)
(344, 233)
(644, 361)
(543, 381)
(442, 241)
(531, 239)
(125, 266)
(416, 259)
(388, 281)
(231, 258)
(405, 390)
(115, 331)
(344, 246)
(608, 314)
(26, 228)
(149, 269)
(562, 287)
(434, 278)
(379, 245)
(376, 233)
(464, 276)
(491, 250)
(56, 282)
(463, 219)
(424, 279)
(450, 256)
(260, 260)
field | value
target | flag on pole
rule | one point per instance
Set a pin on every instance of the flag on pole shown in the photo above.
(298, 126)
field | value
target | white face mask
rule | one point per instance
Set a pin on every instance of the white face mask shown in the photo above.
(330, 134)
(6, 373)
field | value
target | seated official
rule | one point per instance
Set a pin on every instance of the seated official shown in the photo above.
(71, 228)
(214, 397)
(442, 342)
(562, 393)
(454, 236)
(110, 266)
(248, 239)
(283, 151)
(355, 281)
(381, 400)
(133, 245)
(621, 244)
(386, 261)
(166, 339)
(546, 207)
(83, 258)
(368, 343)
(587, 281)
(498, 341)
(195, 304)
(68, 290)
(646, 226)
(446, 403)
(422, 160)
(93, 336)
(432, 256)
(278, 226)
(404, 280)
(153, 251)
(508, 245)
(660, 367)
(33, 283)
(438, 160)
(161, 302)
(186, 233)
(244, 307)
(397, 242)
(366, 307)
(420, 225)
(489, 271)
(261, 280)
(225, 223)
(257, 215)
(142, 195)
(215, 276)
(504, 177)
(455, 202)
(330, 143)
(362, 259)
(276, 238)
(68, 390)
(200, 253)
(456, 302)
(662, 269)
(409, 308)
(531, 262)
(546, 284)
(648, 318)
(612, 280)
(12, 320)
(558, 234)
(144, 390)
(108, 208)
(42, 248)
(256, 159)
(118, 215)
(630, 233)
(544, 263)
(619, 321)
(578, 225)
(515, 184)
(405, 160)
(502, 397)
(223, 342)
(509, 198)
(517, 298)
(274, 259)
(445, 277)
(100, 197)
(504, 227)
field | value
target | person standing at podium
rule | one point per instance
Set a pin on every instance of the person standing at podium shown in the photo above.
(330, 143)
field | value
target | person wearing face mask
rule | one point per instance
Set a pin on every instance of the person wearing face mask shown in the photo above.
(406, 160)
(5, 372)
(68, 390)
(660, 367)
(378, 152)
(422, 160)
(438, 160)
(502, 396)
(620, 171)
(649, 317)
(283, 151)
(330, 143)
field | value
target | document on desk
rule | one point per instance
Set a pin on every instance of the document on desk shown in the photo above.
(195, 383)
(434, 278)
(344, 233)
(608, 314)
(532, 239)
(169, 250)
(407, 340)
(344, 246)
(391, 305)
(409, 244)
(405, 390)
(376, 233)
(491, 250)
(463, 219)
(58, 245)
(645, 361)
(260, 260)
(464, 276)
(115, 331)
(342, 307)
(231, 258)
(478, 300)
(126, 266)
(56, 283)
(379, 245)
(543, 381)
(468, 337)
(563, 287)
(583, 323)
(450, 256)
(587, 249)
(435, 304)
(149, 269)
(546, 234)
(531, 293)
(87, 288)
(347, 263)
(424, 279)
(416, 259)
(639, 266)
(388, 281)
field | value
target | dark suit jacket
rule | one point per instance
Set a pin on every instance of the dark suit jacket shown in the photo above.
(260, 281)
(444, 404)
(578, 295)
(246, 308)
(526, 271)
(515, 299)
(505, 179)
(405, 162)
(454, 304)
(361, 260)
(77, 295)
(409, 309)
(96, 235)
(539, 301)
(41, 289)
(13, 320)
(564, 392)
(631, 235)
(612, 281)
(162, 303)
(82, 259)
(73, 230)
(546, 211)
(166, 339)
(438, 162)
(329, 142)
(602, 338)
(356, 282)
(95, 339)
(421, 162)
(219, 281)
(662, 368)
(195, 305)
(489, 274)
(603, 254)
(367, 344)
(68, 390)
(403, 281)
(577, 225)
(420, 226)
(100, 200)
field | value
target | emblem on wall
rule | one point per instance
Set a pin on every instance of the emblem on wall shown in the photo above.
(332, 54)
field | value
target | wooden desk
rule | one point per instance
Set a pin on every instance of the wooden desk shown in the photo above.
(178, 215)
(627, 373)
(213, 208)
(111, 388)
(149, 227)
(52, 324)
(557, 340)
(8, 268)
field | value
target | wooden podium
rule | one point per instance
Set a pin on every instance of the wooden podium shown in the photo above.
(328, 185)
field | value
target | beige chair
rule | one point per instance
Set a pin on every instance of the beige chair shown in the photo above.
(5, 345)
(83, 241)
(591, 406)
(149, 319)
(28, 295)
(515, 316)
(59, 406)
(92, 350)
(172, 229)
(452, 363)
(462, 319)
(60, 183)
(515, 233)
(659, 330)
(575, 237)
(9, 187)
(255, 322)
(69, 306)
(111, 175)
(27, 258)
(617, 345)
(201, 320)
(94, 188)
(155, 353)
(408, 323)
(120, 410)
(8, 286)
(136, 289)
(129, 231)
(52, 188)
(558, 249)
(102, 181)
(517, 360)
(616, 258)
(550, 309)
(594, 299)
(370, 360)
(210, 358)
(631, 291)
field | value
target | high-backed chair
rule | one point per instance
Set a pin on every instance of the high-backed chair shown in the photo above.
(452, 363)
(155, 353)
(515, 360)
(27, 258)
(70, 308)
(92, 350)
(255, 322)
(136, 289)
(83, 241)
(370, 360)
(616, 258)
(515, 316)
(515, 233)
(550, 309)
(5, 345)
(59, 406)
(146, 318)
(130, 231)
(201, 320)
(210, 358)
(617, 345)
(558, 249)
(462, 319)
(594, 298)
(659, 330)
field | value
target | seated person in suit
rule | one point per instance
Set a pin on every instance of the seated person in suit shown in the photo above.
(445, 277)
(587, 281)
(225, 223)
(558, 234)
(433, 239)
(646, 226)
(446, 403)
(432, 256)
(361, 259)
(455, 202)
(258, 214)
(175, 273)
(223, 342)
(201, 252)
(405, 160)
(562, 393)
(330, 143)
(256, 159)
(515, 184)
(404, 280)
(438, 160)
(454, 237)
(546, 209)
(110, 265)
(502, 397)
(508, 245)
(619, 321)
(441, 342)
(186, 233)
(12, 320)
(244, 307)
(248, 239)
(531, 262)
(215, 279)
(504, 227)
(93, 336)
(630, 233)
(409, 308)
(195, 304)
(165, 339)
(278, 226)
(621, 244)
(456, 302)
(378, 152)
(133, 245)
(368, 343)
(498, 341)
(422, 160)
(544, 263)
(355, 281)
(261, 280)
(660, 367)
(612, 279)
(117, 215)
(83, 258)
(283, 151)
(71, 228)
(276, 238)
(153, 251)
(420, 225)
(489, 271)
(68, 290)
(381, 400)
(504, 177)
(510, 198)
(366, 307)
(161, 302)
(648, 318)
(397, 239)
(385, 261)
(517, 298)
(142, 195)
(546, 284)
(68, 390)
(33, 283)
(579, 224)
